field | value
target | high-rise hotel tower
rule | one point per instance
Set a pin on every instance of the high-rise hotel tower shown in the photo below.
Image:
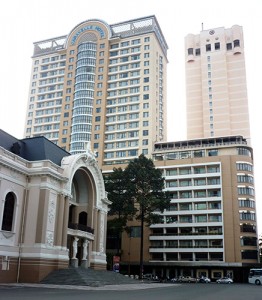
(216, 90)
(102, 86)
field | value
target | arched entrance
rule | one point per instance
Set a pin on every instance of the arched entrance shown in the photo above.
(81, 231)
(87, 211)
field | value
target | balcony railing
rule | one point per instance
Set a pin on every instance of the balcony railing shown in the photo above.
(184, 246)
(81, 227)
(185, 234)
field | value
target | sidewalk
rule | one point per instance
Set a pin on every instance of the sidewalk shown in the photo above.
(121, 287)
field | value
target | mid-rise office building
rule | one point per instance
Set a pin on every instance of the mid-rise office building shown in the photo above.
(210, 228)
(103, 85)
(217, 103)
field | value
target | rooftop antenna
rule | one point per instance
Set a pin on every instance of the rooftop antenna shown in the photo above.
(202, 25)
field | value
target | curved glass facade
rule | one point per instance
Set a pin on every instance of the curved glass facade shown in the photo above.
(83, 97)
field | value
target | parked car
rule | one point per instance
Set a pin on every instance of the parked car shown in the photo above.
(174, 280)
(224, 280)
(204, 279)
(148, 276)
(188, 279)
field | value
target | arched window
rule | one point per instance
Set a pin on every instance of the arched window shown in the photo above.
(82, 219)
(8, 215)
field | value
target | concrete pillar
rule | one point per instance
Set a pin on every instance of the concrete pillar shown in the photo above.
(65, 222)
(60, 220)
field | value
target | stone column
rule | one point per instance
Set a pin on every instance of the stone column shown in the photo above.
(65, 222)
(60, 220)
(96, 230)
(102, 236)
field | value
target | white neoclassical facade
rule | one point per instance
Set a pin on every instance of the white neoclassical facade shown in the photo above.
(51, 216)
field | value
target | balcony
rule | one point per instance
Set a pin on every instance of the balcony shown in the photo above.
(76, 226)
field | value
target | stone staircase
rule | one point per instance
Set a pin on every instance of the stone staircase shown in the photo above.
(87, 277)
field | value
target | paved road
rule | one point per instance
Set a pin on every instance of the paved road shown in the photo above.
(211, 291)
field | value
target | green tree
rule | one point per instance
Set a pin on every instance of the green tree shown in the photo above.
(144, 187)
(121, 208)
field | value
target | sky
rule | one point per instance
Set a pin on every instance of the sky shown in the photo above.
(24, 22)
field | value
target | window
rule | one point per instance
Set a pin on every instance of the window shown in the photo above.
(120, 153)
(243, 151)
(247, 227)
(185, 206)
(172, 183)
(135, 49)
(171, 172)
(135, 42)
(199, 170)
(124, 59)
(236, 43)
(246, 203)
(185, 194)
(114, 46)
(190, 51)
(200, 194)
(246, 191)
(208, 47)
(8, 215)
(124, 44)
(200, 218)
(197, 51)
(109, 155)
(145, 132)
(124, 51)
(135, 231)
(229, 46)
(114, 53)
(201, 206)
(132, 152)
(245, 178)
(217, 46)
(249, 254)
(244, 167)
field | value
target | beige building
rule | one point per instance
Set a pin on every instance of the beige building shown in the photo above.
(53, 210)
(210, 228)
(101, 83)
(217, 103)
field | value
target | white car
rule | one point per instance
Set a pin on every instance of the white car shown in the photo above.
(204, 279)
(224, 280)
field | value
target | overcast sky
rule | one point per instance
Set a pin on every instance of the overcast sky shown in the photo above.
(28, 21)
